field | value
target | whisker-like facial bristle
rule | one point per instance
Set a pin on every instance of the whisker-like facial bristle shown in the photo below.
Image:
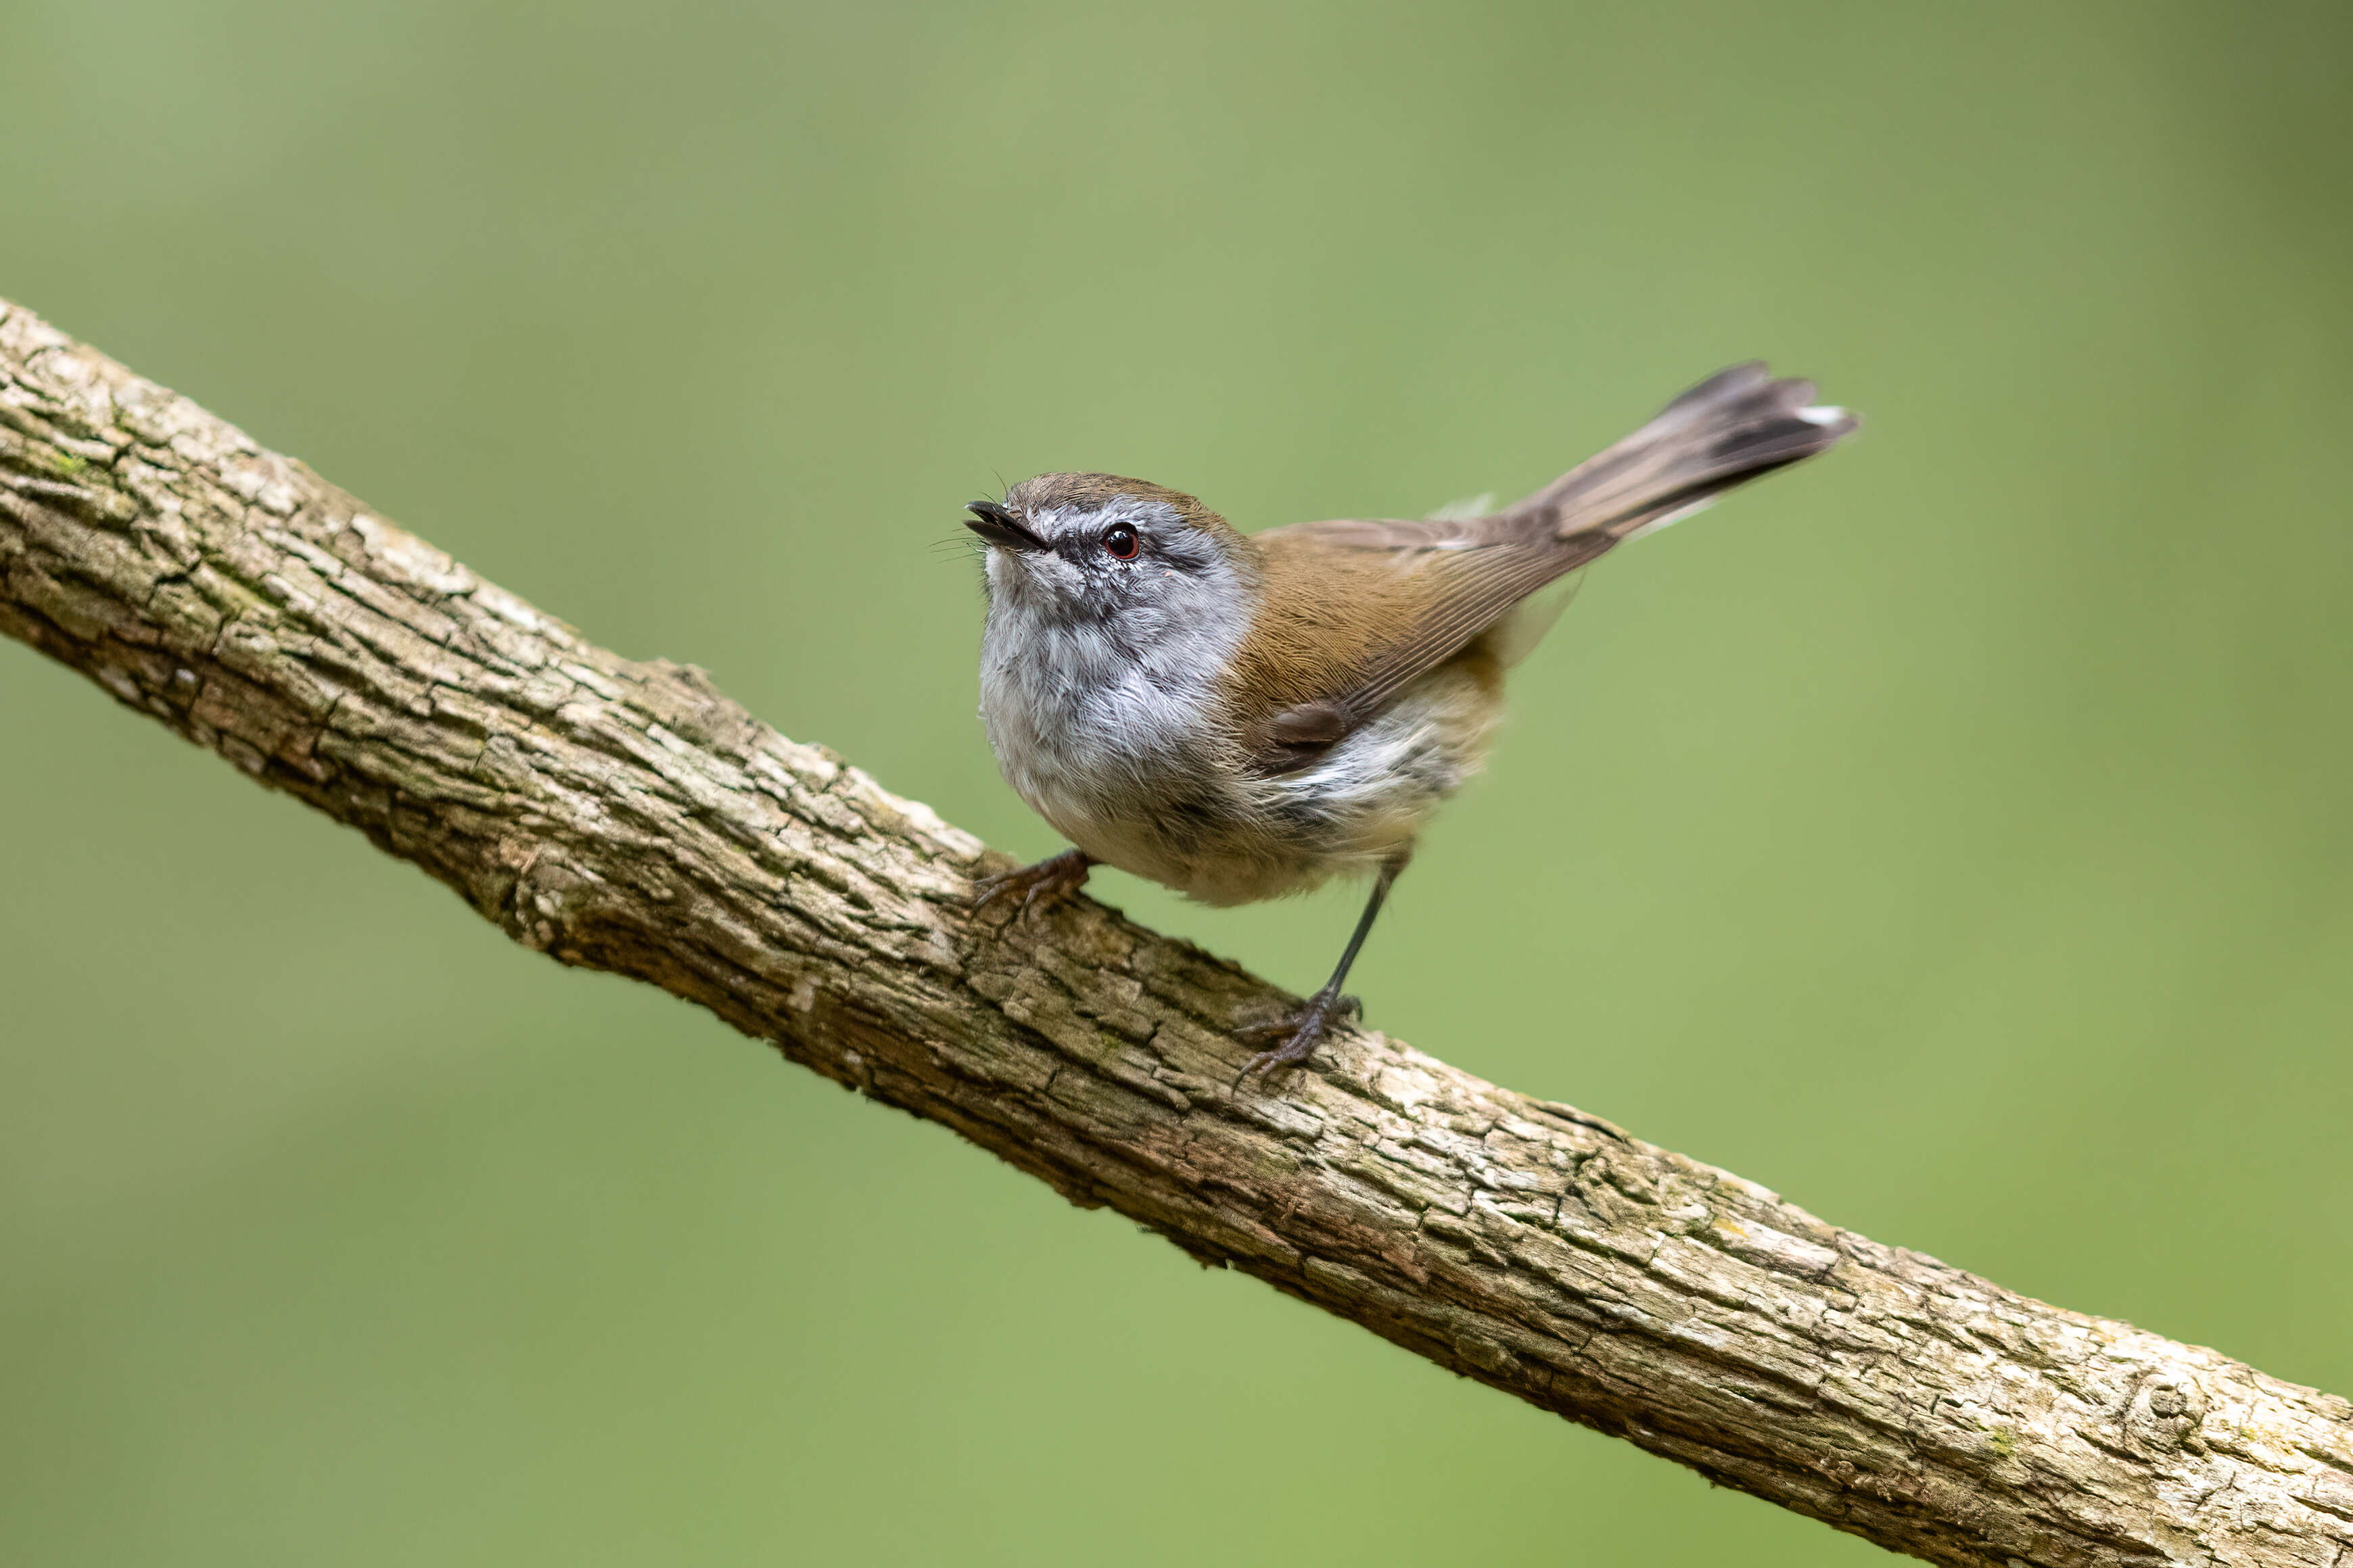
(955, 546)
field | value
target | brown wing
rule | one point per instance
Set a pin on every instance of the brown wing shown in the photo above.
(1356, 611)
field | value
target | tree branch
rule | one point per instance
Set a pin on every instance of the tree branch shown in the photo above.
(626, 817)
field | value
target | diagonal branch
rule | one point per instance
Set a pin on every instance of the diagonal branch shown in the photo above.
(626, 817)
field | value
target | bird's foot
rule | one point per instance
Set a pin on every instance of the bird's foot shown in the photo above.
(1300, 1033)
(1039, 887)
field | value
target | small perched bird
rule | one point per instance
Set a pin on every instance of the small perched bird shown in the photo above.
(1241, 717)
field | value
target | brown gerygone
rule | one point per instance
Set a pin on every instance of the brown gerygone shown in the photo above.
(1239, 718)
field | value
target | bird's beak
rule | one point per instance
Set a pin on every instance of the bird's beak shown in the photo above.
(996, 524)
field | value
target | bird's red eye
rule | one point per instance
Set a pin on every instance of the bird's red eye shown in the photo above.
(1121, 543)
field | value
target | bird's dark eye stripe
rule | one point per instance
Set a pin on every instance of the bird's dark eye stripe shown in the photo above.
(1120, 543)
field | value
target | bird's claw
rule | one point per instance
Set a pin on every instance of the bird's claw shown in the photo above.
(1301, 1032)
(1041, 887)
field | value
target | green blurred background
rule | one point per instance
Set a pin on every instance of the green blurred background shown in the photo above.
(1951, 835)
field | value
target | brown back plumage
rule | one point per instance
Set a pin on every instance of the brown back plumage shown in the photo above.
(1354, 612)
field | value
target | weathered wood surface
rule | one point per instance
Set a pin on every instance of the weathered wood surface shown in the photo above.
(626, 817)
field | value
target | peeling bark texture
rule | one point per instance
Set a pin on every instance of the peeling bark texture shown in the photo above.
(627, 816)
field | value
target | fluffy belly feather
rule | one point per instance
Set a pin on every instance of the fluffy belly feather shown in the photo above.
(1208, 829)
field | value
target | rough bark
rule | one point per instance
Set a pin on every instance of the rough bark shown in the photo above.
(626, 817)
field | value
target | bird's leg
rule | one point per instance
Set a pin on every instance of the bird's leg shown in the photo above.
(1306, 1026)
(1042, 886)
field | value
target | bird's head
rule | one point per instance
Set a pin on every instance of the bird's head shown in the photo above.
(1096, 549)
